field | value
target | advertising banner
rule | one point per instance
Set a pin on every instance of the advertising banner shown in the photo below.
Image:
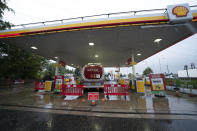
(140, 86)
(39, 85)
(48, 85)
(59, 80)
(93, 96)
(157, 82)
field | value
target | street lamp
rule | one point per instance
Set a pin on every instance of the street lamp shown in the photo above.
(160, 64)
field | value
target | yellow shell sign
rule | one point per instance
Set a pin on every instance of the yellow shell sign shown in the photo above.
(132, 63)
(180, 11)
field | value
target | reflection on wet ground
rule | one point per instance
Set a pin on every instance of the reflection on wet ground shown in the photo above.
(41, 121)
(140, 103)
(25, 109)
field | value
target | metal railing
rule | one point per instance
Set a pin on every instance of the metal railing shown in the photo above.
(109, 15)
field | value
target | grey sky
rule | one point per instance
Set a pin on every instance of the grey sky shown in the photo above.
(28, 11)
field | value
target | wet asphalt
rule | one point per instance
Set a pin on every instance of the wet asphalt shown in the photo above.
(35, 121)
(23, 109)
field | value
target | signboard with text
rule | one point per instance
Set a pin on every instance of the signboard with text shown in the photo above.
(131, 62)
(93, 96)
(93, 72)
(157, 82)
(48, 85)
(140, 86)
(59, 80)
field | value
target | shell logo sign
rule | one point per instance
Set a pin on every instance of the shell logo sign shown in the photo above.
(180, 11)
(93, 72)
(131, 62)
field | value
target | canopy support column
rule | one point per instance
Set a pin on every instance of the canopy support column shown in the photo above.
(133, 68)
(133, 65)
(57, 67)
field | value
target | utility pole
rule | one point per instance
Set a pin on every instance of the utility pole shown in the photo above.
(168, 69)
(159, 65)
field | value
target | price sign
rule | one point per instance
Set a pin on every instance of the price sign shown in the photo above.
(93, 96)
(157, 82)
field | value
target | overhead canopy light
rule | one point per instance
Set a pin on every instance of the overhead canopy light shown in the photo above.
(157, 40)
(96, 56)
(91, 44)
(55, 57)
(34, 48)
(139, 54)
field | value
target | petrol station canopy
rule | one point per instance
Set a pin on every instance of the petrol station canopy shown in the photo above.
(115, 36)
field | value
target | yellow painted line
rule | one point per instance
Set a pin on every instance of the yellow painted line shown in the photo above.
(97, 28)
(88, 24)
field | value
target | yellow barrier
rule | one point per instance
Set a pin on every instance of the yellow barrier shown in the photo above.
(48, 85)
(140, 86)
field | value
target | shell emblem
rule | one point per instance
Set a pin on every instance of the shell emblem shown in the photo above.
(180, 11)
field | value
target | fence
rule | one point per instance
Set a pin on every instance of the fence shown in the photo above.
(117, 89)
(75, 90)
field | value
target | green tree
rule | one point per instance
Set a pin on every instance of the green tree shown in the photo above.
(4, 7)
(147, 71)
(77, 72)
(15, 63)
(49, 71)
(130, 75)
(63, 70)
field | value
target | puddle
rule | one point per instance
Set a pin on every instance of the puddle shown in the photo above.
(71, 97)
(115, 97)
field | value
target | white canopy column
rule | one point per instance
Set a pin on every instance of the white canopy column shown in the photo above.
(57, 67)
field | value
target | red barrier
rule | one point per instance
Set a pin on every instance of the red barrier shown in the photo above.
(75, 90)
(116, 89)
(39, 85)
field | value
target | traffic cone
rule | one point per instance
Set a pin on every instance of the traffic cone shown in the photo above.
(83, 100)
(103, 99)
(177, 93)
(191, 94)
